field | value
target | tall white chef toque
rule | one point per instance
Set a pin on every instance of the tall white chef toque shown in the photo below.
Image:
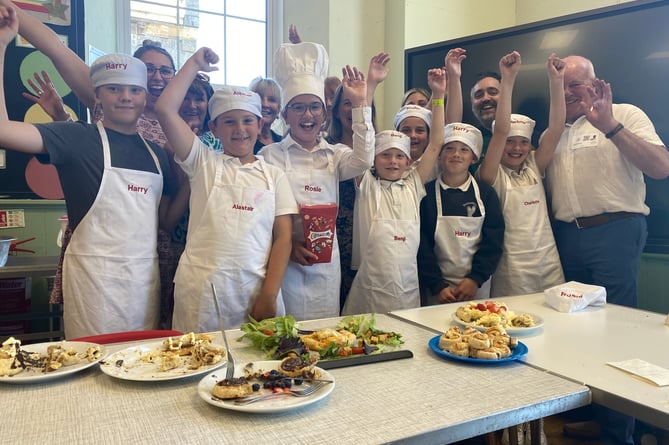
(301, 69)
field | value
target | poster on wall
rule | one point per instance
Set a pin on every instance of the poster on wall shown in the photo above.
(55, 12)
(24, 176)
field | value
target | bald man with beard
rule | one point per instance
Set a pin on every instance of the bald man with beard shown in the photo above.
(597, 188)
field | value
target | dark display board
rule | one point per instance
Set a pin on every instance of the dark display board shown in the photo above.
(66, 18)
(629, 47)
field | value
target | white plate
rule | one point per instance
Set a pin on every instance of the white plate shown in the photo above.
(32, 375)
(272, 405)
(127, 365)
(538, 323)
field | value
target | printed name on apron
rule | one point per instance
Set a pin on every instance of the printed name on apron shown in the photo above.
(242, 207)
(312, 188)
(138, 189)
(461, 234)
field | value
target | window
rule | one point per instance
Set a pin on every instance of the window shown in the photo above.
(237, 30)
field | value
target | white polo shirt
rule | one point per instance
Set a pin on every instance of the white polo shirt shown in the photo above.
(589, 175)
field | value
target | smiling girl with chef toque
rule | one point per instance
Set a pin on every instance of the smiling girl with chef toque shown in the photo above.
(314, 167)
(239, 233)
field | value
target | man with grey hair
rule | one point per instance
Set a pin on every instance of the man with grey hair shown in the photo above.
(596, 184)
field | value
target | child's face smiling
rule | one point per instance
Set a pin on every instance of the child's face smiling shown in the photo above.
(417, 130)
(455, 158)
(238, 131)
(516, 150)
(391, 164)
(305, 126)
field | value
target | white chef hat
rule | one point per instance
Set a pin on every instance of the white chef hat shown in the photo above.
(118, 69)
(412, 111)
(521, 126)
(227, 98)
(388, 139)
(301, 69)
(465, 133)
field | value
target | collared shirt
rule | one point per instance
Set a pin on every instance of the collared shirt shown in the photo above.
(348, 162)
(520, 179)
(462, 187)
(589, 175)
(200, 166)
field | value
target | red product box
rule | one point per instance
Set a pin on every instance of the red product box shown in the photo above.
(319, 222)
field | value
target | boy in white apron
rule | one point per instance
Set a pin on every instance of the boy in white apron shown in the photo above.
(462, 228)
(241, 208)
(388, 208)
(113, 184)
(530, 262)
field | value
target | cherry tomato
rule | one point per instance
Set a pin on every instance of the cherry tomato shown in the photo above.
(481, 307)
(268, 332)
(358, 350)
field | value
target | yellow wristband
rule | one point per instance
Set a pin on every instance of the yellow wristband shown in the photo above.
(437, 102)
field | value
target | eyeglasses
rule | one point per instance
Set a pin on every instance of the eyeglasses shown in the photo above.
(315, 108)
(165, 71)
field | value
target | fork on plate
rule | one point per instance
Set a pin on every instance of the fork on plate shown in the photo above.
(295, 393)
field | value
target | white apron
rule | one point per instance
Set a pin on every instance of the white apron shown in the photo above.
(387, 279)
(311, 292)
(530, 262)
(110, 267)
(230, 248)
(456, 240)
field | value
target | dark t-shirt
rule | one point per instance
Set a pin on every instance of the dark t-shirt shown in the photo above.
(75, 149)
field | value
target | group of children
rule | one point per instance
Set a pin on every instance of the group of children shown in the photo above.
(245, 236)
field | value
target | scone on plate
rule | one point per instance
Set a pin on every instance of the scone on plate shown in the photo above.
(232, 388)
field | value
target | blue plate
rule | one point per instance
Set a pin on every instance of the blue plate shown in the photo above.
(519, 352)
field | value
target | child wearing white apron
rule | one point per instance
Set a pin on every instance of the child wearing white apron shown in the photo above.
(530, 262)
(462, 228)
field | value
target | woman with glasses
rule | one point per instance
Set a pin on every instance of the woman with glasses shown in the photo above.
(314, 167)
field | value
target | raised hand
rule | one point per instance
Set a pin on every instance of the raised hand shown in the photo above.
(205, 59)
(437, 81)
(453, 61)
(377, 71)
(293, 35)
(598, 107)
(47, 97)
(509, 65)
(555, 67)
(353, 82)
(9, 25)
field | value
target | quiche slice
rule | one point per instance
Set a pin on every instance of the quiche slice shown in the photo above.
(320, 340)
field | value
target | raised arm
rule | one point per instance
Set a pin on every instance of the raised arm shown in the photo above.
(376, 74)
(177, 131)
(75, 72)
(19, 136)
(509, 65)
(436, 80)
(453, 64)
(650, 158)
(557, 115)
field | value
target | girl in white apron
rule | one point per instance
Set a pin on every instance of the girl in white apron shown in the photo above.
(530, 262)
(388, 210)
(239, 234)
(314, 167)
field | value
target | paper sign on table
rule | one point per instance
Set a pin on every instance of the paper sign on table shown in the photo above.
(645, 370)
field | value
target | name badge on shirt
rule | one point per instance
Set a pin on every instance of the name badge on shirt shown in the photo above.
(585, 141)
